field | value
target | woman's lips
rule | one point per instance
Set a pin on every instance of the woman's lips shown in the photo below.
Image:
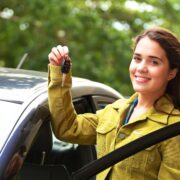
(142, 79)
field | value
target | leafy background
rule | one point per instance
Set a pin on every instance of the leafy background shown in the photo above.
(98, 33)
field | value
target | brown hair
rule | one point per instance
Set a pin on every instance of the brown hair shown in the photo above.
(171, 45)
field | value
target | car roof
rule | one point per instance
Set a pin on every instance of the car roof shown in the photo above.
(17, 85)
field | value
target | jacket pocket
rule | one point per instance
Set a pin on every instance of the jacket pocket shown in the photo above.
(104, 129)
(105, 139)
(140, 159)
(143, 158)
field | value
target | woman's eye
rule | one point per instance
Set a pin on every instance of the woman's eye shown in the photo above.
(154, 62)
(137, 59)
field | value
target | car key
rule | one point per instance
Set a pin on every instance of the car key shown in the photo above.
(65, 68)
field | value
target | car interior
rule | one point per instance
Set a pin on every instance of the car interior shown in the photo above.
(51, 159)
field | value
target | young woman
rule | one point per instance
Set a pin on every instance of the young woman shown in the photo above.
(155, 75)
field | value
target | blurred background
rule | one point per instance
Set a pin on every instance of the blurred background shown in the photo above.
(98, 33)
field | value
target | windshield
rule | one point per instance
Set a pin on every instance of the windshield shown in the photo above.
(9, 115)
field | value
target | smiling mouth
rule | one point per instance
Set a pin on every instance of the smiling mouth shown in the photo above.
(141, 79)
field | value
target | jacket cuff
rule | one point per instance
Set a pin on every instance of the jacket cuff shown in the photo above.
(54, 71)
(55, 75)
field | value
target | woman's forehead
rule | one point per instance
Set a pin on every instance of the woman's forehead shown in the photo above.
(149, 47)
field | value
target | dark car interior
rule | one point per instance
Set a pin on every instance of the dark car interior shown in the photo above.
(40, 162)
(50, 160)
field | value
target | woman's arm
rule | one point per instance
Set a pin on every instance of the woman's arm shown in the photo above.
(67, 125)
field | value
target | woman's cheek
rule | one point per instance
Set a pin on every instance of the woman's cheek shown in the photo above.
(131, 70)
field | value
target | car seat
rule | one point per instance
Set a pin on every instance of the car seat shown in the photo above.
(38, 164)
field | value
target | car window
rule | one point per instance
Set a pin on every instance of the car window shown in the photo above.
(101, 101)
(82, 105)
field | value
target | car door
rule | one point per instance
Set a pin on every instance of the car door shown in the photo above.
(32, 117)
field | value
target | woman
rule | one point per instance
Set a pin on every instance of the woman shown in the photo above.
(155, 76)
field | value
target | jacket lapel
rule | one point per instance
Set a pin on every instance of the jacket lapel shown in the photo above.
(159, 113)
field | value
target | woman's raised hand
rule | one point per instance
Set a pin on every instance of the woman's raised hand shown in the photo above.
(57, 55)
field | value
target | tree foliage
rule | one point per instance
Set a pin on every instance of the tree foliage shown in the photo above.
(98, 33)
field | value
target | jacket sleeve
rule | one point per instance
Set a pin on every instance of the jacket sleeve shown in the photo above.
(67, 125)
(170, 165)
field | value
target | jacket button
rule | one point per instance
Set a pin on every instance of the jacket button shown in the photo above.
(122, 135)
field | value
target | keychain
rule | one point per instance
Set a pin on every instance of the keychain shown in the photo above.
(65, 68)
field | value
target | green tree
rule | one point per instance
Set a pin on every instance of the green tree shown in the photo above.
(99, 33)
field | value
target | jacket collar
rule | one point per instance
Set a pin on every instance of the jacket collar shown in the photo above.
(121, 103)
(159, 114)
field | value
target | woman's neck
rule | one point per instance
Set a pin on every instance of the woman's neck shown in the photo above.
(146, 101)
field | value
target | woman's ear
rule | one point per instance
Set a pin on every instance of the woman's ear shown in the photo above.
(172, 74)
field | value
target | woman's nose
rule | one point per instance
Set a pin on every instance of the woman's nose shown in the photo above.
(142, 66)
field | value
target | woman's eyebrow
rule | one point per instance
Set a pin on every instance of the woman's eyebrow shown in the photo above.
(137, 54)
(155, 57)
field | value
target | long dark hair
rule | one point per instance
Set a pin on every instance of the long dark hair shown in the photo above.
(171, 45)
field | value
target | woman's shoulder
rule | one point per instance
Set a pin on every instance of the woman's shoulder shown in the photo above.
(174, 116)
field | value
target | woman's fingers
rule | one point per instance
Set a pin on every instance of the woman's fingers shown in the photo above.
(57, 54)
(66, 50)
(63, 50)
(52, 59)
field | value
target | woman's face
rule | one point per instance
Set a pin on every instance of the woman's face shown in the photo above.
(149, 68)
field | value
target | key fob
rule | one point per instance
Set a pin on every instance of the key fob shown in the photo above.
(65, 66)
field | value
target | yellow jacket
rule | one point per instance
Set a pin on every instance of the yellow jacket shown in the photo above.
(106, 129)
